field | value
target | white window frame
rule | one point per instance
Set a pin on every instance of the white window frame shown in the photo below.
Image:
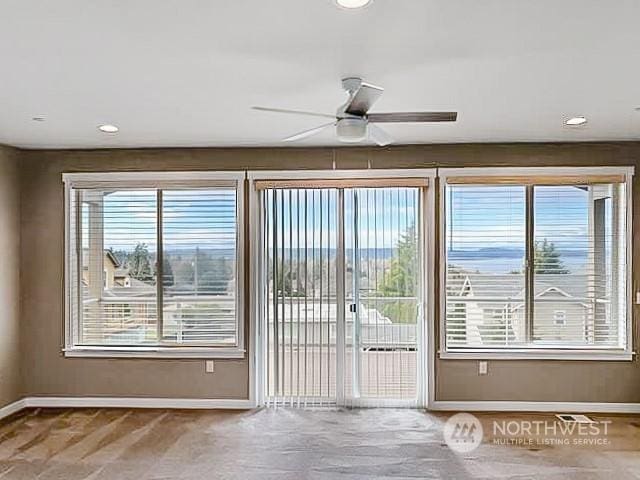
(426, 333)
(537, 352)
(157, 180)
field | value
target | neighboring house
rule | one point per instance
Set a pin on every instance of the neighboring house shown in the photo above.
(491, 310)
(111, 313)
(123, 311)
(114, 274)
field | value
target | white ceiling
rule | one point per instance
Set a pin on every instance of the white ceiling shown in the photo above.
(186, 72)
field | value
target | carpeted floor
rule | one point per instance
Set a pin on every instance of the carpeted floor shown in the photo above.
(291, 444)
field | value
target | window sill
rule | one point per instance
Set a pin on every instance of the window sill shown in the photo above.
(539, 354)
(154, 352)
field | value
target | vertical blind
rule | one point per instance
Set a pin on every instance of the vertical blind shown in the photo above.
(383, 258)
(536, 266)
(300, 228)
(122, 240)
(341, 293)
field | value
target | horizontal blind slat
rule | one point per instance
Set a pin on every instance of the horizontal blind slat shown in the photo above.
(579, 269)
(113, 242)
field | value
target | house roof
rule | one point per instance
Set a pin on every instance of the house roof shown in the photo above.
(512, 285)
(121, 272)
(137, 288)
(109, 254)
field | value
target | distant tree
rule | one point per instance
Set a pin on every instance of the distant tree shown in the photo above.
(183, 272)
(139, 263)
(121, 255)
(212, 272)
(547, 259)
(168, 279)
(400, 279)
(287, 282)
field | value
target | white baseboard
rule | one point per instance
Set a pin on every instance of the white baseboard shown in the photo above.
(137, 402)
(505, 406)
(240, 404)
(12, 408)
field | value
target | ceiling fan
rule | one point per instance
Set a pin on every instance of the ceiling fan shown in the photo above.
(353, 121)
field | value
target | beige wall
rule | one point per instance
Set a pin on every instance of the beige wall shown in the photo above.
(46, 372)
(9, 277)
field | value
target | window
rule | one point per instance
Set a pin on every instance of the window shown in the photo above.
(559, 318)
(536, 262)
(154, 264)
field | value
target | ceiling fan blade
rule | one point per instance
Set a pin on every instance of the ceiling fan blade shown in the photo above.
(399, 117)
(363, 99)
(307, 133)
(378, 135)
(295, 112)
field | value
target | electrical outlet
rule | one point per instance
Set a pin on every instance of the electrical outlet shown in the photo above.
(208, 366)
(483, 367)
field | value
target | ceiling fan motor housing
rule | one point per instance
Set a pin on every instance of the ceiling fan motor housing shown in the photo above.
(351, 130)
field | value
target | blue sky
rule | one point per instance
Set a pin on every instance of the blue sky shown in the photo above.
(204, 218)
(481, 217)
(383, 215)
(494, 217)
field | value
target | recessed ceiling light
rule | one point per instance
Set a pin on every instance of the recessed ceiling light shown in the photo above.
(575, 121)
(108, 128)
(353, 3)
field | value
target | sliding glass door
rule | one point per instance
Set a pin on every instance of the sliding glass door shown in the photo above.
(300, 301)
(342, 270)
(383, 267)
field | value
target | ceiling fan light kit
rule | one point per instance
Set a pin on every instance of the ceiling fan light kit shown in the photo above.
(353, 122)
(351, 130)
(352, 4)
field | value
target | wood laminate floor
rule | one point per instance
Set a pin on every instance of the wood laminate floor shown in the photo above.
(96, 444)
